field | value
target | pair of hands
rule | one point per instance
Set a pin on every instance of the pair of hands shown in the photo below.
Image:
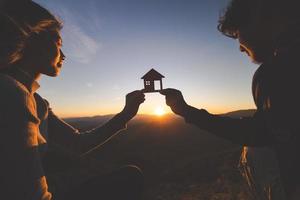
(174, 99)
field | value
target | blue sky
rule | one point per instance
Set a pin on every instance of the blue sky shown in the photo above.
(111, 44)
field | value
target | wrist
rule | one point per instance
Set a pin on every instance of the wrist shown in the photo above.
(194, 114)
(186, 110)
(122, 117)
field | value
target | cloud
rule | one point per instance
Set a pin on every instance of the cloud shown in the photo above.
(89, 84)
(78, 43)
(80, 46)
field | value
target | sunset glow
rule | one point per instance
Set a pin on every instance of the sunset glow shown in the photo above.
(110, 47)
(159, 111)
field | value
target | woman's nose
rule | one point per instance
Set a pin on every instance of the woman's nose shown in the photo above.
(242, 49)
(62, 55)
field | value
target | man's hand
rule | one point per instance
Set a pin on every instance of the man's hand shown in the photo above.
(175, 100)
(133, 101)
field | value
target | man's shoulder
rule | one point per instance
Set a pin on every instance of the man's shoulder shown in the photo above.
(287, 59)
(282, 67)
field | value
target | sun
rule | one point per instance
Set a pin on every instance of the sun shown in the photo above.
(159, 111)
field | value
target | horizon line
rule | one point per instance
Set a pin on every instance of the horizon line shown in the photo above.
(146, 114)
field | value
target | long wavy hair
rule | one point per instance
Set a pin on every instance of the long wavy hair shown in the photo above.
(21, 22)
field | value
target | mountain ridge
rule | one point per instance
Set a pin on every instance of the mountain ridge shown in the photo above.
(235, 114)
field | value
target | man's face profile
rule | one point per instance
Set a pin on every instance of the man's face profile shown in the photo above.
(255, 40)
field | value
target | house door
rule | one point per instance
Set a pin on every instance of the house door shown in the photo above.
(149, 85)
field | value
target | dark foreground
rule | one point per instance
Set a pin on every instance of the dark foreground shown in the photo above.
(180, 162)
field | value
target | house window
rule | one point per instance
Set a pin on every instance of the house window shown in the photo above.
(148, 83)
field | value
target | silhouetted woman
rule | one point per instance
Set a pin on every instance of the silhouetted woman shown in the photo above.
(30, 46)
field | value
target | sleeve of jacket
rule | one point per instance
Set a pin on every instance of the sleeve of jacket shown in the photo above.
(79, 143)
(244, 131)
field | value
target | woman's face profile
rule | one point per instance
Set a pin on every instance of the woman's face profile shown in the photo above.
(54, 57)
(46, 56)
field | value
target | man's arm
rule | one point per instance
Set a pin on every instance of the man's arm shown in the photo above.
(249, 131)
(244, 131)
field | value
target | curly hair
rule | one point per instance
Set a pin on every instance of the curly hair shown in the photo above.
(22, 20)
(239, 13)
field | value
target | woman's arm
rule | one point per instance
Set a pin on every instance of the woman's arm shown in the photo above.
(81, 143)
(70, 139)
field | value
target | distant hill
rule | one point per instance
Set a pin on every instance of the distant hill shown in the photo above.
(89, 122)
(84, 123)
(179, 160)
(92, 118)
(240, 113)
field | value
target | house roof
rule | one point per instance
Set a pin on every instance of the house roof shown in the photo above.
(153, 75)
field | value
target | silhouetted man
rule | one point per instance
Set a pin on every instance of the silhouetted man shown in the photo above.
(268, 32)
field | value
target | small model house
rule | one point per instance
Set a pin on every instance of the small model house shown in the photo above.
(151, 80)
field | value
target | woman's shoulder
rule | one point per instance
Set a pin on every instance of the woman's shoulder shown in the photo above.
(12, 90)
(8, 82)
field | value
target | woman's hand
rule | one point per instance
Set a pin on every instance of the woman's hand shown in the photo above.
(133, 101)
(175, 100)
